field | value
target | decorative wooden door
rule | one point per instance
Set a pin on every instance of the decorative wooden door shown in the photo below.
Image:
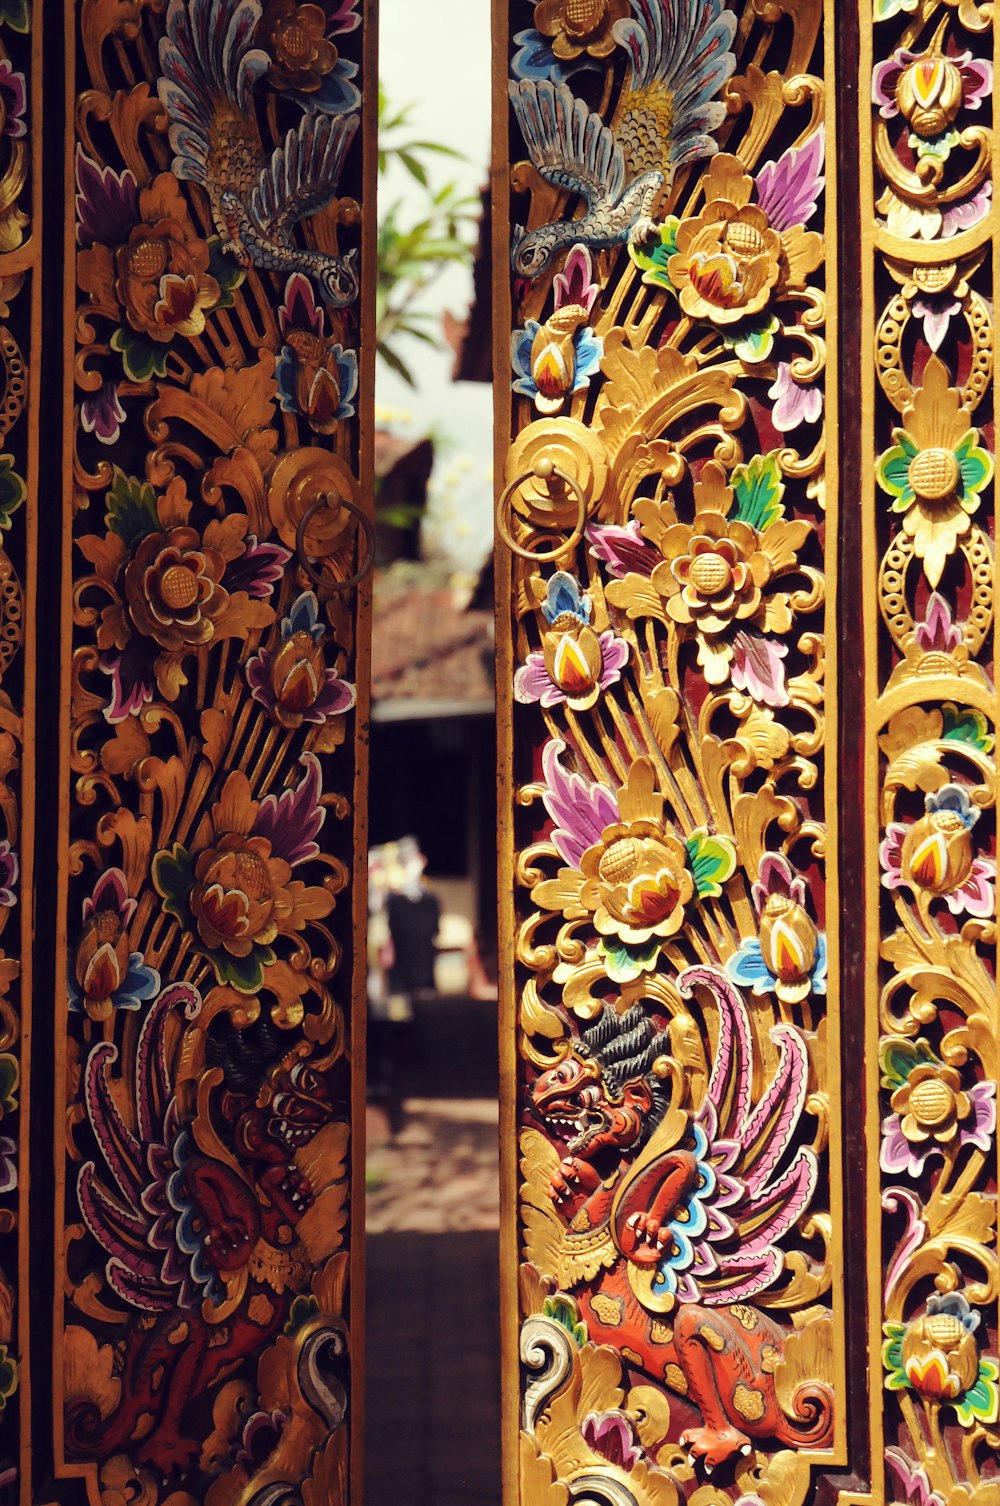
(192, 319)
(747, 731)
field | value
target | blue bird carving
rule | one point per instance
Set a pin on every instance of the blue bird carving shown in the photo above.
(209, 70)
(680, 55)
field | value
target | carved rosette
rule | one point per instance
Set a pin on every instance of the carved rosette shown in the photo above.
(930, 419)
(209, 758)
(678, 1226)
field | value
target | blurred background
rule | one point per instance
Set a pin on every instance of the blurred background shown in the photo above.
(432, 1373)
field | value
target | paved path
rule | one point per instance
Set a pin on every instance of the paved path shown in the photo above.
(433, 1375)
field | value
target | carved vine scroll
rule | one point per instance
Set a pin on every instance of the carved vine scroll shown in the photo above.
(667, 534)
(929, 427)
(216, 512)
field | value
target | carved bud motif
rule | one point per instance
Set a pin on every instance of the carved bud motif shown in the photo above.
(940, 1356)
(553, 357)
(788, 943)
(937, 852)
(929, 94)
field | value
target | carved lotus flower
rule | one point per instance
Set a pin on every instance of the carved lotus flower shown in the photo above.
(931, 1104)
(580, 26)
(729, 259)
(174, 589)
(295, 37)
(161, 272)
(936, 471)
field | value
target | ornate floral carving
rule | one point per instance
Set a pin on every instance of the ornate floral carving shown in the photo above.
(931, 431)
(207, 851)
(675, 1036)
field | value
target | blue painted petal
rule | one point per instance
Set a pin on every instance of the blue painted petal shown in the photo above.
(588, 349)
(566, 597)
(820, 965)
(347, 374)
(336, 95)
(952, 797)
(284, 372)
(303, 617)
(536, 60)
(521, 342)
(748, 968)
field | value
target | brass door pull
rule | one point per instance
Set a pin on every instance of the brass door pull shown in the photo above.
(326, 583)
(542, 470)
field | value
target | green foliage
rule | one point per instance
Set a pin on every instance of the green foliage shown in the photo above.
(759, 491)
(131, 508)
(413, 252)
(12, 490)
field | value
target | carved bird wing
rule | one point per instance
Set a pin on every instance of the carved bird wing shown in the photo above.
(567, 142)
(208, 67)
(680, 55)
(303, 173)
(754, 1187)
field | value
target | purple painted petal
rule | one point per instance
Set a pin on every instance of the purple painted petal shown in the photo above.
(614, 657)
(937, 314)
(794, 402)
(897, 1156)
(977, 77)
(885, 77)
(533, 684)
(292, 820)
(300, 309)
(133, 684)
(110, 893)
(777, 876)
(259, 568)
(102, 414)
(107, 203)
(623, 550)
(575, 283)
(579, 808)
(788, 190)
(13, 89)
(894, 1198)
(969, 213)
(610, 1435)
(336, 697)
(983, 1097)
(890, 855)
(937, 632)
(757, 668)
(976, 895)
(344, 17)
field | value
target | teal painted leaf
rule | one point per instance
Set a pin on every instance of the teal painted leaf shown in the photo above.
(304, 1309)
(712, 861)
(12, 490)
(898, 1057)
(624, 963)
(967, 726)
(16, 14)
(245, 974)
(227, 272)
(560, 1311)
(131, 510)
(759, 489)
(981, 1403)
(753, 342)
(654, 263)
(173, 877)
(141, 359)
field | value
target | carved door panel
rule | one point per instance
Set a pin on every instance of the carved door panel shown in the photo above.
(747, 737)
(213, 374)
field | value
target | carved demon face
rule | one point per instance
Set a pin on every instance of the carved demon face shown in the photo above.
(580, 1107)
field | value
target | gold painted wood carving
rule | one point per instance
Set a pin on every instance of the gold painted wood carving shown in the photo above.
(666, 535)
(215, 534)
(929, 422)
(20, 340)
